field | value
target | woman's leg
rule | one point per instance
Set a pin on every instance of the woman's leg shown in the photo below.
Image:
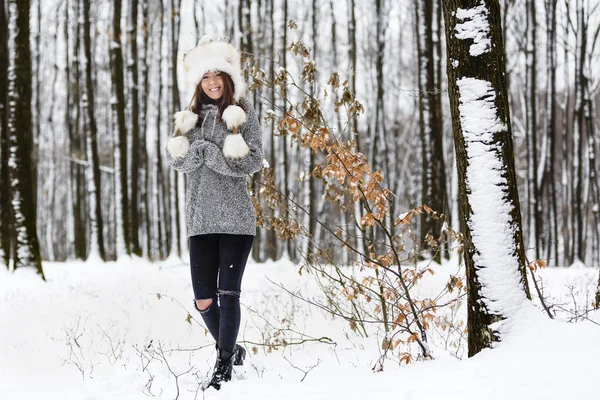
(204, 264)
(233, 254)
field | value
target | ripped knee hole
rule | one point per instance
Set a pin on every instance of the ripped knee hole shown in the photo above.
(207, 303)
(228, 292)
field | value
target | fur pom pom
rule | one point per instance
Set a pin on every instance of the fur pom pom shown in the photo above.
(184, 121)
(178, 146)
(235, 146)
(234, 116)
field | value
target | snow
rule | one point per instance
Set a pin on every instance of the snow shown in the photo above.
(475, 26)
(490, 222)
(107, 319)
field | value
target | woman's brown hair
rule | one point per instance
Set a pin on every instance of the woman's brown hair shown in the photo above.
(200, 98)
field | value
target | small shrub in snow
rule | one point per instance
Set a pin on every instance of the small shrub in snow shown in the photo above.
(371, 279)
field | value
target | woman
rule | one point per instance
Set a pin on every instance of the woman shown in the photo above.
(218, 143)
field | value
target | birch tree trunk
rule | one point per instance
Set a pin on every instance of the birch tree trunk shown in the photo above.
(94, 179)
(493, 243)
(20, 130)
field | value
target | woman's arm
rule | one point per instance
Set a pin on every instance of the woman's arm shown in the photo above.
(182, 160)
(251, 162)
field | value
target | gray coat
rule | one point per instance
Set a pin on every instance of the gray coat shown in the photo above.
(217, 199)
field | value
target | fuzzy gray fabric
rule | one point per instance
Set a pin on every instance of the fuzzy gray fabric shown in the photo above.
(217, 199)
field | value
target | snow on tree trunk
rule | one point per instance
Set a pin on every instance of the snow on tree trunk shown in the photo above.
(20, 130)
(4, 181)
(491, 221)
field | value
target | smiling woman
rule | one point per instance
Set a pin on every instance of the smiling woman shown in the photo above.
(217, 143)
(217, 87)
(212, 84)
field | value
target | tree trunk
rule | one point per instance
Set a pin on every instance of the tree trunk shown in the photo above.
(598, 293)
(158, 186)
(119, 132)
(433, 183)
(534, 201)
(5, 207)
(354, 208)
(551, 133)
(579, 202)
(380, 111)
(567, 159)
(285, 164)
(94, 179)
(352, 51)
(592, 245)
(493, 242)
(20, 130)
(76, 151)
(177, 233)
(135, 128)
(38, 106)
(143, 154)
(312, 181)
(49, 185)
(272, 249)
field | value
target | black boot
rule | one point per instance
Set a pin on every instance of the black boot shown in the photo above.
(222, 370)
(239, 355)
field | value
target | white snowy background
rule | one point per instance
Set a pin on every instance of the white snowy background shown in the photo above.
(128, 330)
(91, 331)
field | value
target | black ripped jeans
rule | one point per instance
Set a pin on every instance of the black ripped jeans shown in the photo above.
(217, 263)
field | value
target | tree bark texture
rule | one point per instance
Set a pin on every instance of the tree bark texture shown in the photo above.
(118, 105)
(76, 144)
(20, 129)
(486, 66)
(5, 207)
(433, 183)
(136, 150)
(97, 225)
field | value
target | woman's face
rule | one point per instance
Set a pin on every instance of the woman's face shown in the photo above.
(212, 85)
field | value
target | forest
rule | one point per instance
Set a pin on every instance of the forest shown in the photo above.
(106, 80)
(428, 193)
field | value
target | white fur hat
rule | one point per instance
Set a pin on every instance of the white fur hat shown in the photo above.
(214, 55)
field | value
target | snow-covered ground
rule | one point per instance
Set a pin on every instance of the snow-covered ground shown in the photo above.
(100, 331)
